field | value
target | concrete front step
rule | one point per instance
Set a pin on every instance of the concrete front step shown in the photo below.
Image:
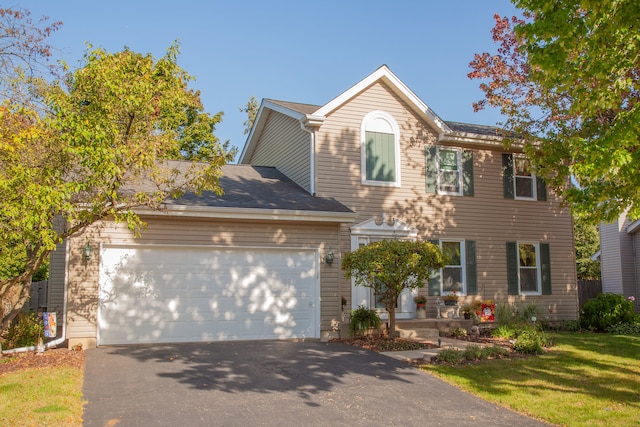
(423, 333)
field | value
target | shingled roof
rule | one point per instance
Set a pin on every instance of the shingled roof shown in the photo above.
(259, 187)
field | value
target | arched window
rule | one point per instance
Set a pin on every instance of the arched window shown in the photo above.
(380, 150)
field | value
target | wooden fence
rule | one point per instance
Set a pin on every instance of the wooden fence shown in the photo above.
(588, 289)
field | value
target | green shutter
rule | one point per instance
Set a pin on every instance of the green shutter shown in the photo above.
(467, 173)
(434, 276)
(507, 175)
(470, 261)
(431, 169)
(541, 189)
(513, 287)
(545, 268)
(381, 157)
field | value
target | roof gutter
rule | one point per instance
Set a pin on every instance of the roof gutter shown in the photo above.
(250, 213)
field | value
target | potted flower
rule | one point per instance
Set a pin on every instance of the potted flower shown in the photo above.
(420, 300)
(421, 311)
(466, 311)
(450, 299)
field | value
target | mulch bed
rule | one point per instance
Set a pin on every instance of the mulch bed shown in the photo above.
(50, 358)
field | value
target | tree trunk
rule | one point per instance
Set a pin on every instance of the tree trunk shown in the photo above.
(12, 299)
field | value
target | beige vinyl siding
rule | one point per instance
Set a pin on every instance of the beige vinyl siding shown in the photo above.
(486, 218)
(83, 280)
(286, 146)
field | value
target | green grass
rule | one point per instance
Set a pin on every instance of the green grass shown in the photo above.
(41, 397)
(585, 380)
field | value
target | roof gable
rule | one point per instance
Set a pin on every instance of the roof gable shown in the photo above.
(397, 86)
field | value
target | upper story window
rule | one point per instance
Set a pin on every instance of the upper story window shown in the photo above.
(520, 180)
(380, 150)
(449, 170)
(523, 178)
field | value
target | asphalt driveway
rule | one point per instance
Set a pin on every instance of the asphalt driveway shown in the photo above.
(272, 383)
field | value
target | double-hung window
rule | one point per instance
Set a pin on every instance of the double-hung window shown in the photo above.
(449, 171)
(524, 178)
(459, 272)
(528, 268)
(453, 274)
(520, 180)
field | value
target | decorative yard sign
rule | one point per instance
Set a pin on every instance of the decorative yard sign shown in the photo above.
(488, 312)
(50, 324)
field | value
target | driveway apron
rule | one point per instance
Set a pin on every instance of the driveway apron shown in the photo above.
(272, 383)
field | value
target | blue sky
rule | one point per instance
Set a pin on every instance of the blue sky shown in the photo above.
(300, 51)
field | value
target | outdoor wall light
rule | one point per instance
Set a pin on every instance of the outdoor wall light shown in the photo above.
(87, 252)
(328, 258)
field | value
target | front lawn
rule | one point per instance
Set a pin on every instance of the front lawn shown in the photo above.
(44, 390)
(584, 380)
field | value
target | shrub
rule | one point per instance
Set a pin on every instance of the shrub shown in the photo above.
(504, 331)
(529, 340)
(505, 313)
(450, 356)
(525, 313)
(362, 319)
(25, 331)
(459, 332)
(472, 353)
(605, 311)
(570, 326)
(625, 329)
(496, 352)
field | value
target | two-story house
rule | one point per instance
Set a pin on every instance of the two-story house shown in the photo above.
(314, 182)
(378, 149)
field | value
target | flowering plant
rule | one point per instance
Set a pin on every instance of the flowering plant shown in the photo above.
(420, 299)
(632, 298)
(451, 297)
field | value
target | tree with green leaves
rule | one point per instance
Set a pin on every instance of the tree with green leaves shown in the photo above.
(391, 266)
(587, 242)
(104, 146)
(566, 75)
(251, 109)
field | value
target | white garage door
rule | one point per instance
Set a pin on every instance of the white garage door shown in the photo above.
(180, 294)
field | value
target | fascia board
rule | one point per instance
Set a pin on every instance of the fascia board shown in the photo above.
(259, 123)
(247, 213)
(385, 73)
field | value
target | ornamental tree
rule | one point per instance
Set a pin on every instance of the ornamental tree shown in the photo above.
(566, 76)
(100, 149)
(391, 266)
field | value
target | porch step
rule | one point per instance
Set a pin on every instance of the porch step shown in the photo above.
(423, 333)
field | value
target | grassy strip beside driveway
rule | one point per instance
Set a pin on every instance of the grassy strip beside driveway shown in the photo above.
(49, 396)
(585, 380)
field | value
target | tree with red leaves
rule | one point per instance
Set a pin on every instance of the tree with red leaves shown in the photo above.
(566, 76)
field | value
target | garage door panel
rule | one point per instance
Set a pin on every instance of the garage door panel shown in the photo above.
(193, 294)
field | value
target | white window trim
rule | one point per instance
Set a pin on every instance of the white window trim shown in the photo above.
(534, 187)
(463, 262)
(538, 290)
(460, 172)
(378, 114)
